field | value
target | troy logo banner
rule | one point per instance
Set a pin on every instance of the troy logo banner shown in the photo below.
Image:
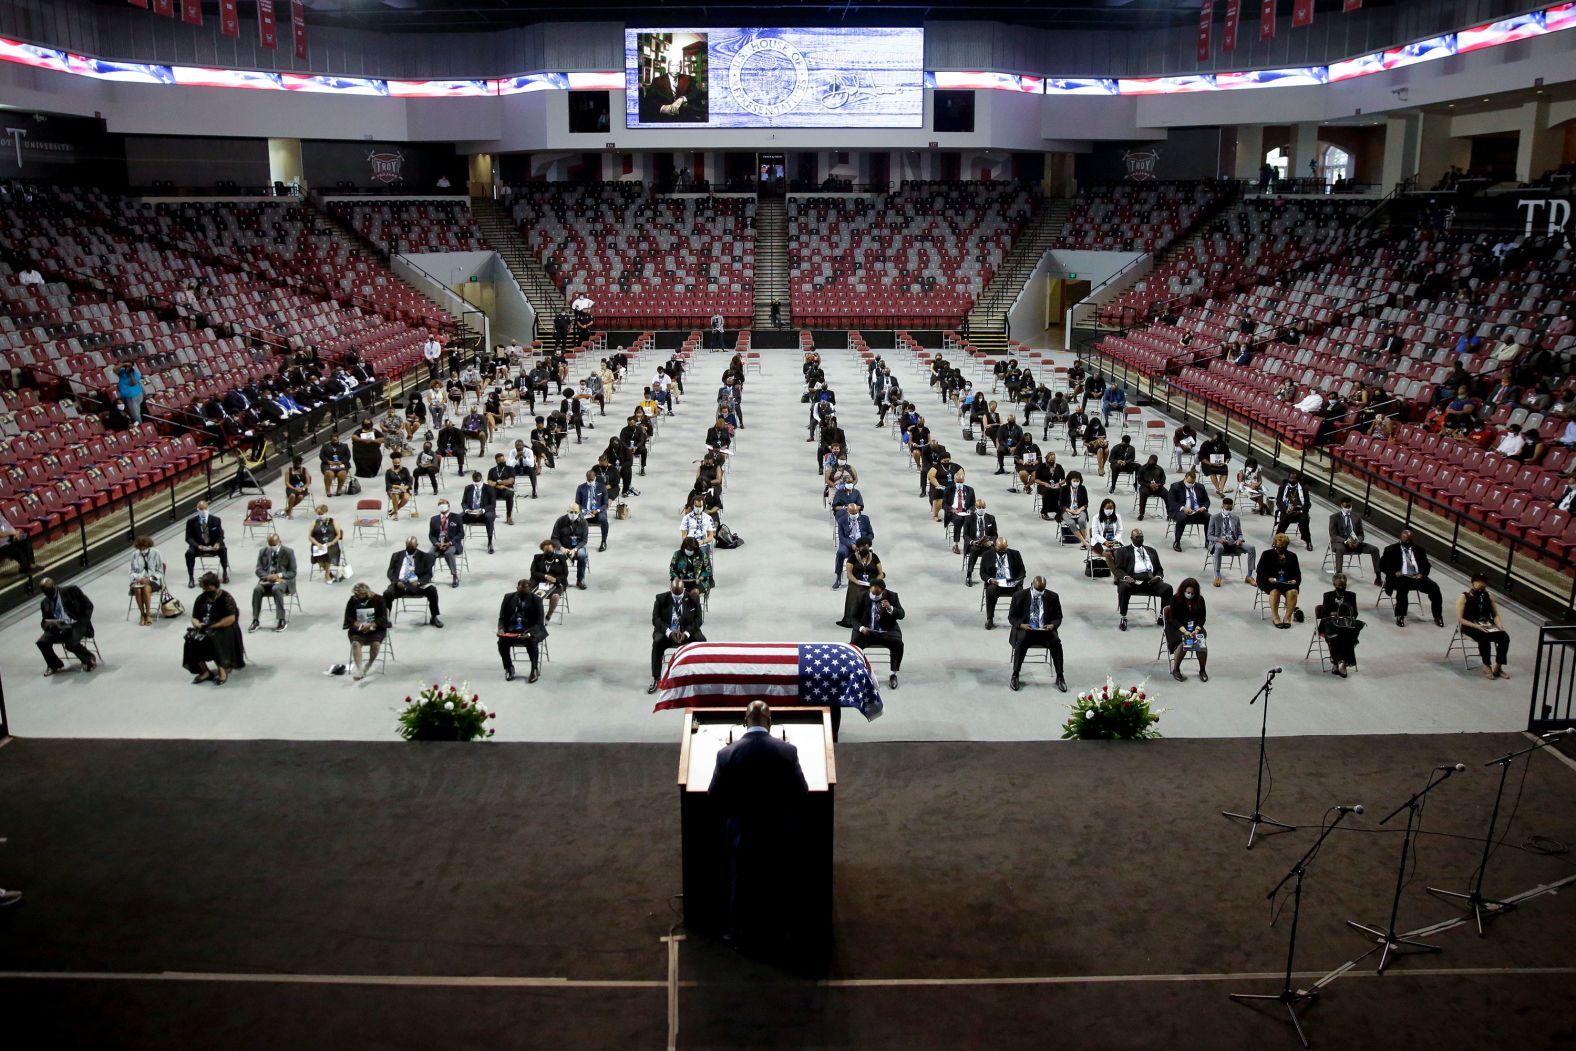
(387, 167)
(1141, 164)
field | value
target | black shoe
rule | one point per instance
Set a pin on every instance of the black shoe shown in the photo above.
(1400, 622)
(191, 583)
(602, 546)
(1001, 470)
(1122, 625)
(968, 582)
(1014, 685)
(580, 585)
(435, 622)
(226, 578)
(1439, 622)
(1177, 546)
(1297, 615)
(653, 687)
(1061, 684)
(844, 624)
(892, 681)
(508, 675)
(252, 626)
(535, 674)
(643, 474)
(990, 625)
(837, 585)
(280, 626)
(489, 549)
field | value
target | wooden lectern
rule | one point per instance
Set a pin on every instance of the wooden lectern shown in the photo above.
(807, 858)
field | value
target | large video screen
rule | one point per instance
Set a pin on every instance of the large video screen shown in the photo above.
(774, 78)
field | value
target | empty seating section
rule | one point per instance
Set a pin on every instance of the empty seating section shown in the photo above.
(1129, 217)
(1492, 490)
(1252, 241)
(664, 262)
(412, 226)
(919, 257)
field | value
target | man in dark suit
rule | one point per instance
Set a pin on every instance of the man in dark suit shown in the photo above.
(67, 620)
(478, 503)
(757, 788)
(446, 533)
(1001, 571)
(1292, 504)
(205, 536)
(1406, 568)
(1138, 572)
(520, 623)
(666, 100)
(832, 440)
(1347, 539)
(571, 535)
(876, 617)
(500, 484)
(979, 536)
(1008, 437)
(676, 618)
(1151, 484)
(957, 502)
(1187, 503)
(591, 495)
(276, 575)
(852, 525)
(1036, 618)
(410, 573)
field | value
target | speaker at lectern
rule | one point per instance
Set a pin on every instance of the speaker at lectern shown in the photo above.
(793, 877)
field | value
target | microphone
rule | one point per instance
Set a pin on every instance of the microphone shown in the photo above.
(1454, 768)
(1355, 808)
(1553, 735)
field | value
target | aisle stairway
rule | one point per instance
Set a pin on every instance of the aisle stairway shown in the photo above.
(501, 234)
(989, 314)
(771, 260)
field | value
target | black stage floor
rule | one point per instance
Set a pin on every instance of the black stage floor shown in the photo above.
(1071, 895)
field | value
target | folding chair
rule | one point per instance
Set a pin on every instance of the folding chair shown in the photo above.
(259, 515)
(369, 519)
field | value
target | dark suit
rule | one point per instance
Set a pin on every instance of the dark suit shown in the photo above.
(1391, 564)
(571, 534)
(78, 608)
(979, 534)
(479, 503)
(1346, 538)
(206, 539)
(1291, 508)
(951, 506)
(279, 561)
(886, 633)
(449, 529)
(520, 623)
(690, 619)
(989, 561)
(850, 529)
(1151, 486)
(1141, 583)
(1176, 506)
(757, 789)
(1019, 614)
(665, 90)
(591, 498)
(421, 586)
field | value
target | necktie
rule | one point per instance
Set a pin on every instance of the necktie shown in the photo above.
(1036, 616)
(475, 498)
(875, 616)
(1192, 501)
(673, 621)
(443, 526)
(1346, 517)
(1408, 563)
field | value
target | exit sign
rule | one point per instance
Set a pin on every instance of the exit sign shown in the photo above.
(1070, 277)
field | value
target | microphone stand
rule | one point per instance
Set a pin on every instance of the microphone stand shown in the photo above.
(1288, 996)
(1257, 818)
(1481, 905)
(1388, 937)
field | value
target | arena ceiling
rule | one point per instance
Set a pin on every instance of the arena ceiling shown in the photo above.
(429, 16)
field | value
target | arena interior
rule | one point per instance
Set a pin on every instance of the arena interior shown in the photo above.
(832, 326)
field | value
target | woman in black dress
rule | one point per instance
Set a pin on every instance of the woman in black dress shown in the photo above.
(215, 634)
(323, 541)
(367, 624)
(861, 568)
(1214, 459)
(298, 485)
(1339, 626)
(1050, 480)
(1279, 576)
(366, 449)
(1185, 629)
(1477, 615)
(550, 569)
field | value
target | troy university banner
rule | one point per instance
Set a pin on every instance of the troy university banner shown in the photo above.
(298, 27)
(1302, 13)
(229, 18)
(191, 12)
(1228, 33)
(164, 7)
(1266, 19)
(267, 31)
(1206, 17)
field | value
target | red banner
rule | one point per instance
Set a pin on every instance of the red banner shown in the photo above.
(1302, 13)
(267, 32)
(164, 7)
(140, 3)
(1352, 5)
(298, 28)
(229, 18)
(1228, 34)
(1266, 19)
(1206, 19)
(191, 12)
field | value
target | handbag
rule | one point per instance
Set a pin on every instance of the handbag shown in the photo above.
(354, 488)
(621, 510)
(169, 606)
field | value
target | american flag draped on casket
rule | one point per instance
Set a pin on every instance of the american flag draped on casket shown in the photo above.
(732, 674)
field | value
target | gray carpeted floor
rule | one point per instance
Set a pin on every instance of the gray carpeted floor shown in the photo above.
(954, 862)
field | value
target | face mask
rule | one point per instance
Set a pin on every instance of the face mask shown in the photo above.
(443, 509)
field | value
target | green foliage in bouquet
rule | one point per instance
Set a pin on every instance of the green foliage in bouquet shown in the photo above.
(444, 713)
(1112, 713)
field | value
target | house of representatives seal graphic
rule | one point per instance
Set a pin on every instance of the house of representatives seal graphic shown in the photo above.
(768, 77)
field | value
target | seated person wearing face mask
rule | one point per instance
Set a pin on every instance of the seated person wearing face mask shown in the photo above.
(521, 623)
(676, 619)
(571, 534)
(446, 531)
(1036, 619)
